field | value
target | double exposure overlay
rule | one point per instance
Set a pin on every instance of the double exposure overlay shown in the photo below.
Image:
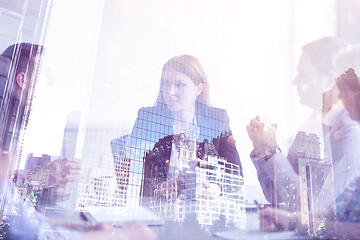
(179, 119)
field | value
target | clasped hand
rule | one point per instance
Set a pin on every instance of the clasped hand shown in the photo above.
(261, 138)
(64, 172)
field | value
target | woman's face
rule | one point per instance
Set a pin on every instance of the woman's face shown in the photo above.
(179, 91)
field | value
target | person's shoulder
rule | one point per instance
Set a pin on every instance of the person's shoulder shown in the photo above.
(212, 114)
(153, 109)
(142, 111)
(218, 111)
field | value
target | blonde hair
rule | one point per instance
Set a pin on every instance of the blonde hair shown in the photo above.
(191, 67)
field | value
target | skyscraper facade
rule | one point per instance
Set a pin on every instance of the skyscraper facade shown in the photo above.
(316, 183)
(209, 186)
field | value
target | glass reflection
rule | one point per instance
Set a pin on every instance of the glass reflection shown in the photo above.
(183, 152)
(179, 158)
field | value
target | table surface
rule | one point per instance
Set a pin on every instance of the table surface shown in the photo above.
(173, 230)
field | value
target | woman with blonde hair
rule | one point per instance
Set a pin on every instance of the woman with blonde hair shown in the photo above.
(182, 109)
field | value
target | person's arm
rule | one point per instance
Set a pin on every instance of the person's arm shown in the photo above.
(349, 87)
(64, 171)
(341, 230)
(276, 177)
(331, 229)
(275, 173)
(345, 139)
(21, 221)
(225, 143)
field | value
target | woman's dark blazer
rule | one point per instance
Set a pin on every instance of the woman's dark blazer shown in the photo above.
(155, 123)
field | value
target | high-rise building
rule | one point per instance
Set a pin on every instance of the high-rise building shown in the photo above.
(315, 177)
(34, 163)
(315, 184)
(200, 182)
(71, 133)
(33, 182)
(315, 189)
